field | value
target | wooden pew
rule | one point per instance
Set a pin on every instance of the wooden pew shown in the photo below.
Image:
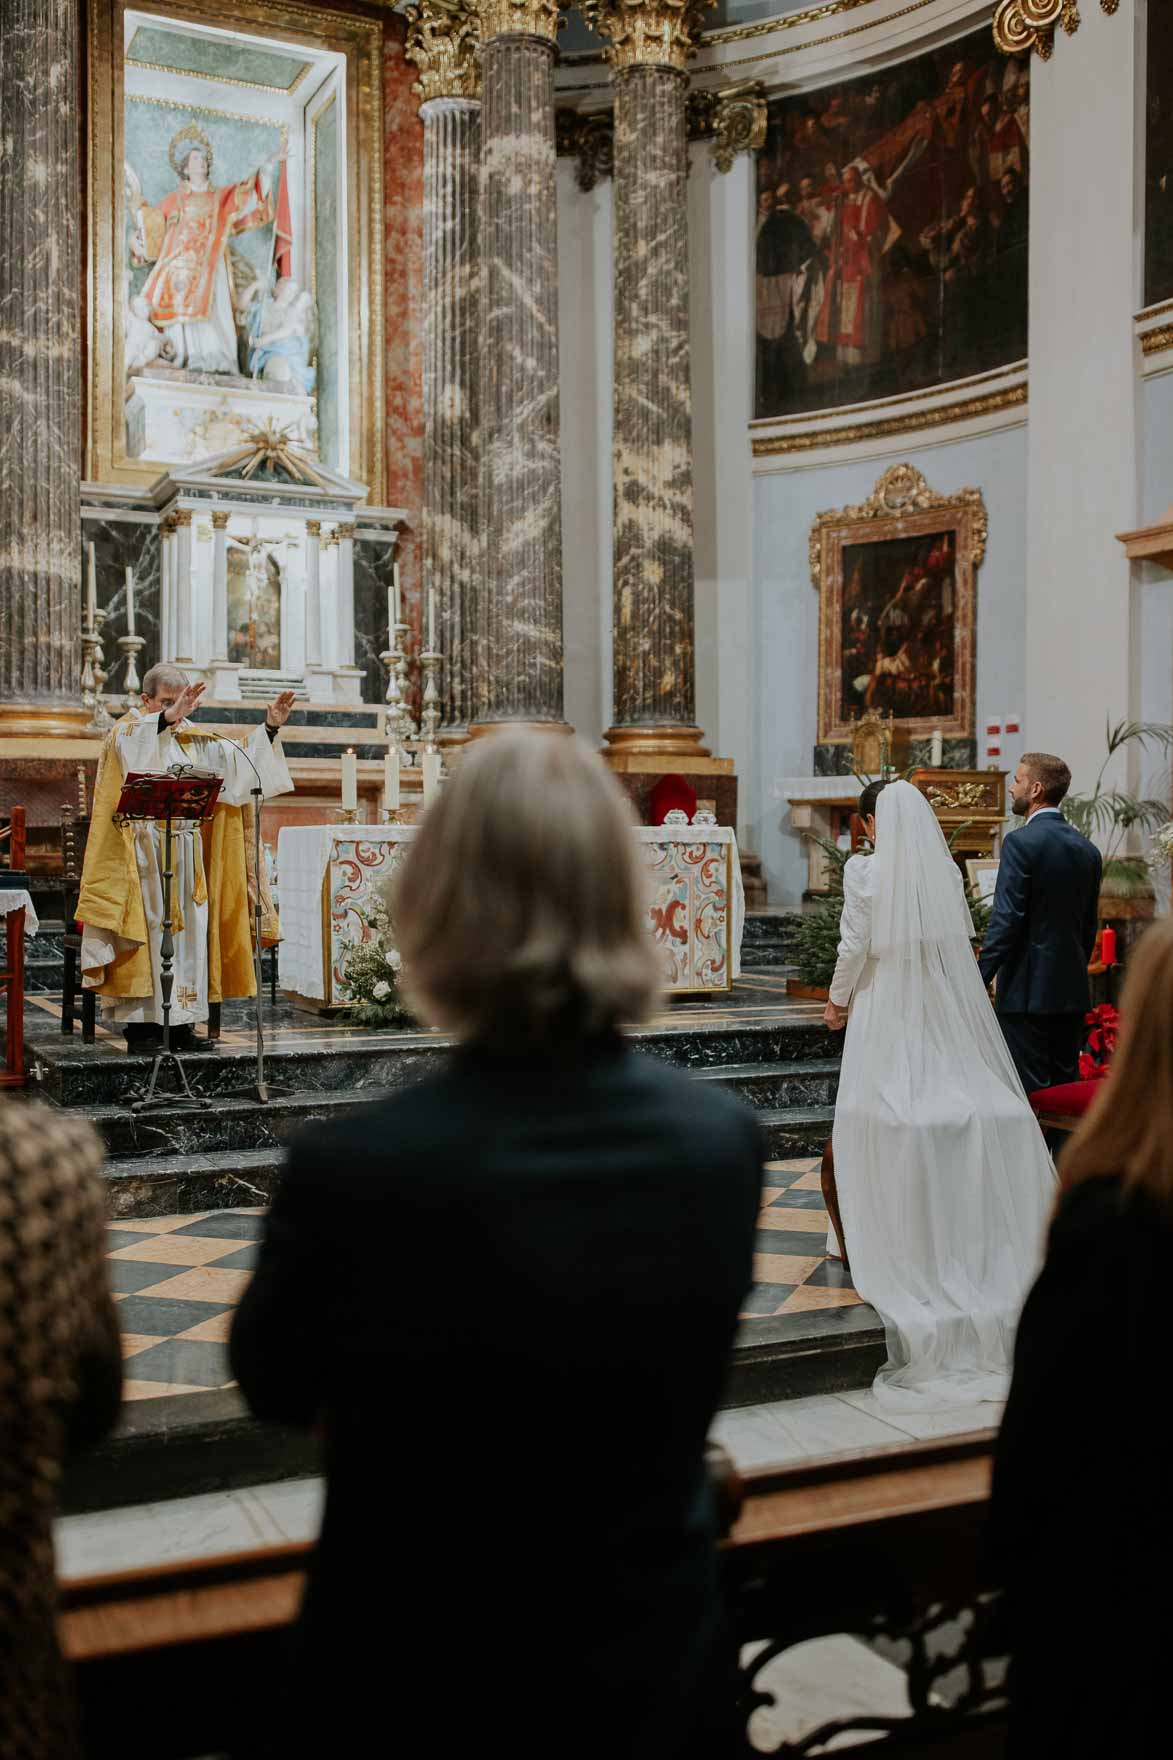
(864, 1543)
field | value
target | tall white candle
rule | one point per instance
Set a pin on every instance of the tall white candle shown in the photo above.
(349, 779)
(391, 780)
(392, 620)
(431, 620)
(91, 588)
(395, 590)
(129, 600)
(937, 749)
(431, 776)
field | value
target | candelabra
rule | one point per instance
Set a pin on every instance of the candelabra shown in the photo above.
(130, 646)
(400, 725)
(94, 675)
(430, 718)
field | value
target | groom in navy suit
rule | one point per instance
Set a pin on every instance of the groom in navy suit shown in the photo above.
(1043, 928)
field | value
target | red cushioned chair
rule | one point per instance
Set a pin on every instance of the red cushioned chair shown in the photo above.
(1061, 1108)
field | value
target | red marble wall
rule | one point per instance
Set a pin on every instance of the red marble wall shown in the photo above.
(403, 304)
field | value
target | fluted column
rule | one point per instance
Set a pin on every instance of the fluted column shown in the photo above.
(442, 41)
(219, 585)
(654, 666)
(517, 629)
(313, 592)
(40, 370)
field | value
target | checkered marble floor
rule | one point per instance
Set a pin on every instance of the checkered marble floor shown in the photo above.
(792, 1272)
(177, 1280)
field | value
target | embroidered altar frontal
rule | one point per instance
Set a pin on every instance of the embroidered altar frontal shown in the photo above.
(331, 879)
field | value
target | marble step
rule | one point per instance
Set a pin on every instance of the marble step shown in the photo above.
(791, 1131)
(767, 939)
(71, 1074)
(779, 1085)
(183, 1185)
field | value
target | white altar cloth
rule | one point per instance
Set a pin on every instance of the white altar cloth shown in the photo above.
(12, 898)
(327, 875)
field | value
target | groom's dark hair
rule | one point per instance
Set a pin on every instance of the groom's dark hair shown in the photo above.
(869, 797)
(1051, 772)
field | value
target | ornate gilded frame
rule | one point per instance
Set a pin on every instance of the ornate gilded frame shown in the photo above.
(357, 38)
(900, 506)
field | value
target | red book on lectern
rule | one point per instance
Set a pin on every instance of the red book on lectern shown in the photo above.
(162, 794)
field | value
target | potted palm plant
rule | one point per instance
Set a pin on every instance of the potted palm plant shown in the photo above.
(1117, 819)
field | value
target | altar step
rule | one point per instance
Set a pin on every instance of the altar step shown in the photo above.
(767, 939)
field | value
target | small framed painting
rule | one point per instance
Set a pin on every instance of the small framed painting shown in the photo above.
(982, 875)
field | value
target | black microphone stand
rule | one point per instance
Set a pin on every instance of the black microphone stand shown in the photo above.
(261, 1089)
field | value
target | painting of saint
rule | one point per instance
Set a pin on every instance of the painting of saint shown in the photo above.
(898, 628)
(189, 293)
(891, 231)
(254, 606)
(1158, 230)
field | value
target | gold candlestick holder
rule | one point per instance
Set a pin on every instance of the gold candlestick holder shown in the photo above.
(132, 646)
(347, 815)
(400, 726)
(389, 815)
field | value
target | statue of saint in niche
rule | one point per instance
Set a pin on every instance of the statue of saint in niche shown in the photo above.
(189, 291)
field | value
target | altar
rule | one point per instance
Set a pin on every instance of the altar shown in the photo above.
(329, 878)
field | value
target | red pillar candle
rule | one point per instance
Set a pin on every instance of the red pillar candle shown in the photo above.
(1108, 947)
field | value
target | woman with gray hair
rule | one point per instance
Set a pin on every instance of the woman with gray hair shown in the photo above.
(508, 1296)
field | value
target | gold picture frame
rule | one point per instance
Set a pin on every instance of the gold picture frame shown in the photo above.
(982, 874)
(360, 41)
(888, 627)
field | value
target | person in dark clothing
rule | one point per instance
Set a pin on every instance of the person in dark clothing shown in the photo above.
(60, 1390)
(1081, 1518)
(1043, 928)
(508, 1297)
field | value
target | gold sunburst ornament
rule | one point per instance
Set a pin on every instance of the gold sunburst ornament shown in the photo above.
(1023, 25)
(184, 143)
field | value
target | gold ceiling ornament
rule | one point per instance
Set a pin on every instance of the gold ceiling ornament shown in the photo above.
(734, 119)
(647, 33)
(1023, 25)
(527, 18)
(442, 39)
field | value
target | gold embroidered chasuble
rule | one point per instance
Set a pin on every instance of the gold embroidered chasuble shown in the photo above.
(215, 884)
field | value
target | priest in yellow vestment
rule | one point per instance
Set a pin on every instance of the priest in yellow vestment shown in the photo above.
(214, 885)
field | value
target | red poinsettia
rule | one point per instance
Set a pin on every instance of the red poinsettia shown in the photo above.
(1102, 1024)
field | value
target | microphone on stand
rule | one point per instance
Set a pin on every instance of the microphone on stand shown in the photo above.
(262, 1088)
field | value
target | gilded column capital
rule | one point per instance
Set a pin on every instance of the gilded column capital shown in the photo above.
(220, 520)
(344, 532)
(182, 517)
(313, 528)
(648, 33)
(1023, 25)
(442, 39)
(527, 18)
(734, 120)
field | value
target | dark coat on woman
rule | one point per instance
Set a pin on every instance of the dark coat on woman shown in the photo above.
(509, 1295)
(1082, 1511)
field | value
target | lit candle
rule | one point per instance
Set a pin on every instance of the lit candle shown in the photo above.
(431, 776)
(937, 749)
(391, 780)
(431, 620)
(349, 779)
(92, 589)
(129, 600)
(395, 590)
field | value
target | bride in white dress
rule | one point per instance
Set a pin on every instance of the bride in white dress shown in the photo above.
(945, 1185)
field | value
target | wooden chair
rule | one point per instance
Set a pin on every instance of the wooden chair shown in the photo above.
(75, 831)
(12, 839)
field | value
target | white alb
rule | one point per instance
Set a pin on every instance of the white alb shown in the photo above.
(945, 1184)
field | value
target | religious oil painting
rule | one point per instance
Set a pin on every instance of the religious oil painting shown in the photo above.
(891, 231)
(1158, 256)
(896, 608)
(254, 607)
(232, 244)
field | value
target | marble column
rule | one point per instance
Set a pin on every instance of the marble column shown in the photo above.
(219, 585)
(517, 634)
(654, 669)
(40, 370)
(313, 593)
(442, 41)
(184, 608)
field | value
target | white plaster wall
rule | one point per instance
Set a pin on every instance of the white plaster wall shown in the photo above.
(1154, 658)
(584, 318)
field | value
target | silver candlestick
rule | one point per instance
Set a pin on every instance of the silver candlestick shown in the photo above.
(94, 675)
(430, 718)
(130, 646)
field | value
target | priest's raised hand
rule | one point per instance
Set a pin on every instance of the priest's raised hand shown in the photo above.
(277, 714)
